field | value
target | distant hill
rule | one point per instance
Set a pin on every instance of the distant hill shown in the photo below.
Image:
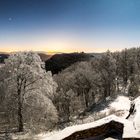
(58, 62)
(97, 55)
(42, 55)
(3, 56)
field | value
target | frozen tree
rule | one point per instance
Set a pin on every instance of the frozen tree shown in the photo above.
(106, 69)
(28, 84)
(79, 88)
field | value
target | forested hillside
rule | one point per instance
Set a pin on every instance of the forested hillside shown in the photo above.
(59, 62)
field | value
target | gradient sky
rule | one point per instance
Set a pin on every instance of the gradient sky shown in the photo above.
(69, 25)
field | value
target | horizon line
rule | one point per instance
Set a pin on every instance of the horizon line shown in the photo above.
(60, 52)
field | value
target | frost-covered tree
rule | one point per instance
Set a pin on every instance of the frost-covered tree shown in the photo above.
(107, 70)
(29, 87)
(79, 88)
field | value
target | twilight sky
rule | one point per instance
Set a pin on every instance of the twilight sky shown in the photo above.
(69, 25)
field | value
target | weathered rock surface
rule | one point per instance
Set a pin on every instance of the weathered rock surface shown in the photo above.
(112, 129)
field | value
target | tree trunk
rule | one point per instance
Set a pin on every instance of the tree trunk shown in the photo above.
(20, 117)
(105, 92)
(109, 88)
(131, 110)
(86, 96)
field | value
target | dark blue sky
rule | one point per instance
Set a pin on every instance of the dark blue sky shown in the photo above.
(69, 25)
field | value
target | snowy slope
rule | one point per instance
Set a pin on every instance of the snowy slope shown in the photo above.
(131, 127)
(121, 103)
(129, 130)
(137, 114)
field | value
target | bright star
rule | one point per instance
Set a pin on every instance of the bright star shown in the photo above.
(9, 18)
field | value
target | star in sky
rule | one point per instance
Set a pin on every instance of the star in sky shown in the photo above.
(10, 19)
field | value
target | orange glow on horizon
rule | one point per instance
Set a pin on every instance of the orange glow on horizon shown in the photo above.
(53, 46)
(94, 50)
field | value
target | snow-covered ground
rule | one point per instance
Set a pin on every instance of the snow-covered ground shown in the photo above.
(120, 106)
(129, 130)
(131, 127)
(122, 103)
(137, 114)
